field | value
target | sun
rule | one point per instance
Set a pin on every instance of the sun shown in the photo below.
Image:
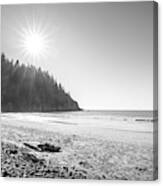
(34, 44)
(35, 41)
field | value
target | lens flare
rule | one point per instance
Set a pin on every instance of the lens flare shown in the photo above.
(35, 40)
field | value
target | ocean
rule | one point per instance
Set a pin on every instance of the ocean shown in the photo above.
(123, 126)
(119, 120)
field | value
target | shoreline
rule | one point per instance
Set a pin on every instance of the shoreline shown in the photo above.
(116, 130)
(80, 157)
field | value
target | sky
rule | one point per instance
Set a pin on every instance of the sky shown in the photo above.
(102, 53)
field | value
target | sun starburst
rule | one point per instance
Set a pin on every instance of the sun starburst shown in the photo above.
(35, 40)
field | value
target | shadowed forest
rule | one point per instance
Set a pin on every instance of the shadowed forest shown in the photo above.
(28, 89)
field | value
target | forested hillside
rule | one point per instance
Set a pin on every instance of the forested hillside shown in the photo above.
(28, 89)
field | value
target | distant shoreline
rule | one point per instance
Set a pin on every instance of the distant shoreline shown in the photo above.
(87, 110)
(73, 110)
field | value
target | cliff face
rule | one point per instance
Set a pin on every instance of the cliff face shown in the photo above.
(28, 89)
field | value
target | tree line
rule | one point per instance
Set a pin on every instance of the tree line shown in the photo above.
(25, 88)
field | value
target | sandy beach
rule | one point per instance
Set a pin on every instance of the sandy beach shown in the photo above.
(80, 157)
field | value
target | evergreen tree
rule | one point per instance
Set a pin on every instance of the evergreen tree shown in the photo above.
(27, 89)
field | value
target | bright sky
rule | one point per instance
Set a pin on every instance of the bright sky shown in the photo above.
(102, 53)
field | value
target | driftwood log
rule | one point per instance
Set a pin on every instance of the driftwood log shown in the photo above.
(46, 147)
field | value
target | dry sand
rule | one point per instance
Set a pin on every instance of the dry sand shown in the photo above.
(117, 155)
